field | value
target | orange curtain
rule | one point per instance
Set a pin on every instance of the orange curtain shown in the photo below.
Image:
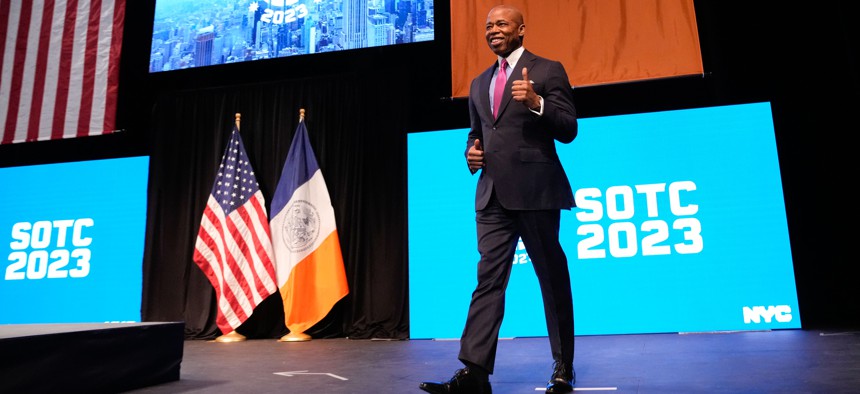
(598, 41)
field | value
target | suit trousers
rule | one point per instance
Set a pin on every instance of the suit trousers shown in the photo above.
(499, 230)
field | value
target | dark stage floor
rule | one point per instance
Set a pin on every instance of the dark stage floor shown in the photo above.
(788, 361)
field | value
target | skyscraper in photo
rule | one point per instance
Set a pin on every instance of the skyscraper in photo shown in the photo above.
(203, 46)
(355, 23)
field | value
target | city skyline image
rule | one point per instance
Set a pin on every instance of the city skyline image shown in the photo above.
(199, 33)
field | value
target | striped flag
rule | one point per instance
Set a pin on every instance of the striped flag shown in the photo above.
(311, 274)
(234, 247)
(59, 68)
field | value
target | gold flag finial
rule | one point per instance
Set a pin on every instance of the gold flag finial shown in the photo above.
(238, 119)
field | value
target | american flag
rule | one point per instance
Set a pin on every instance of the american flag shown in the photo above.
(59, 68)
(234, 247)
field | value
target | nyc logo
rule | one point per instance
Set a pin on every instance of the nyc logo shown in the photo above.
(781, 313)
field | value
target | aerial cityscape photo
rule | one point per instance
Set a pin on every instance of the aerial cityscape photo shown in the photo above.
(198, 33)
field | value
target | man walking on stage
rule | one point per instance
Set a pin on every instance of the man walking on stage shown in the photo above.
(518, 108)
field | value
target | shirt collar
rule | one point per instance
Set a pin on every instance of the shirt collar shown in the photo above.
(513, 58)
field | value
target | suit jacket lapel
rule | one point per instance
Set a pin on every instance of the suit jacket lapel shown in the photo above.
(526, 60)
(483, 92)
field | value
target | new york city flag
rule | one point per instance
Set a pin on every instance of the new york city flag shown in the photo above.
(308, 259)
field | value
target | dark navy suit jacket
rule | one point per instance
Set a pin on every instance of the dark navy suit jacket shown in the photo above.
(520, 159)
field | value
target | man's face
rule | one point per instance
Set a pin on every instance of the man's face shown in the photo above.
(504, 31)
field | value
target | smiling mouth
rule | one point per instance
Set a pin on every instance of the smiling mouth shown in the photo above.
(496, 40)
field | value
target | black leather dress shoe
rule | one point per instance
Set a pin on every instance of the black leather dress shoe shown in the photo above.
(562, 380)
(463, 382)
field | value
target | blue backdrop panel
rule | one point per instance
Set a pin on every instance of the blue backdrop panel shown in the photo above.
(680, 227)
(71, 238)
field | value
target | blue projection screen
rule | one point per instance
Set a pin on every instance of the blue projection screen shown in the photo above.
(71, 237)
(680, 226)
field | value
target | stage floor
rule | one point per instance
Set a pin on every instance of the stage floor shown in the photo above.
(786, 361)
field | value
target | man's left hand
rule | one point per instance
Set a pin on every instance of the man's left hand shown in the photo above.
(522, 91)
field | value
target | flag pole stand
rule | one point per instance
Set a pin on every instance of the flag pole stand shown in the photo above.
(231, 336)
(295, 337)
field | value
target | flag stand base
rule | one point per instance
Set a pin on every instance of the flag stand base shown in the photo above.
(295, 337)
(232, 336)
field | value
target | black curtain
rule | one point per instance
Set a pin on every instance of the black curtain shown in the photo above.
(360, 144)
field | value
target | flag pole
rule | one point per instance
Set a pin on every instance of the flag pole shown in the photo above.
(295, 336)
(232, 336)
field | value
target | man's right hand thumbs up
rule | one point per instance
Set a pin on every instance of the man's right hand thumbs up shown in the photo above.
(475, 157)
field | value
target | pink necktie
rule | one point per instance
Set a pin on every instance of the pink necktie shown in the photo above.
(499, 89)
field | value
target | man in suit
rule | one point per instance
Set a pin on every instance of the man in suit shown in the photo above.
(520, 194)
